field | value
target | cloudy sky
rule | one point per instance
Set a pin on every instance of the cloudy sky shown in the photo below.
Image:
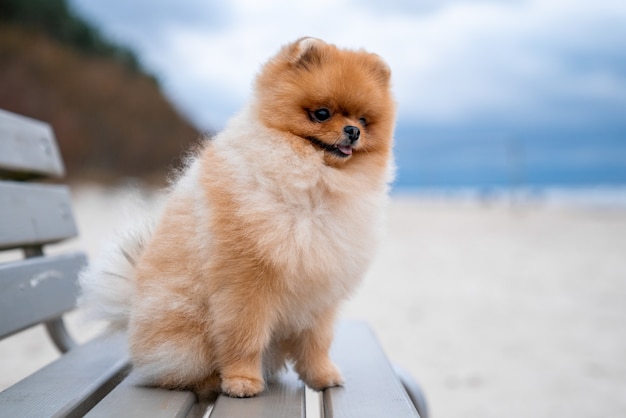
(455, 63)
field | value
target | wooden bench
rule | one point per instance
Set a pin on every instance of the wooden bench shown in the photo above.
(90, 379)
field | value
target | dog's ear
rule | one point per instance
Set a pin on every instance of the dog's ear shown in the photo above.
(380, 69)
(305, 52)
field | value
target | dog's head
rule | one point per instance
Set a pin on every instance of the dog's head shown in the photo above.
(338, 101)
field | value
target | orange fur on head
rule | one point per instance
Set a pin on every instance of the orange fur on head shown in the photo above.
(353, 85)
(270, 227)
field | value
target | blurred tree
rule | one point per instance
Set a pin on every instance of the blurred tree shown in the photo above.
(57, 20)
(110, 117)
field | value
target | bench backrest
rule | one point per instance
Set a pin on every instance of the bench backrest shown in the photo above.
(35, 288)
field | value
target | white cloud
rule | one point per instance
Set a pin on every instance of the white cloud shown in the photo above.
(452, 61)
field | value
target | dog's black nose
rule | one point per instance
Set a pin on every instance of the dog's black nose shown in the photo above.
(353, 133)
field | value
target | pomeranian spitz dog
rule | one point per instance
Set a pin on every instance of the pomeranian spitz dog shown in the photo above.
(268, 228)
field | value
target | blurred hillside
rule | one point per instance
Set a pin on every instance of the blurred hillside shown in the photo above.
(110, 117)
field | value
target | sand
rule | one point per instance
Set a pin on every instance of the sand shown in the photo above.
(497, 309)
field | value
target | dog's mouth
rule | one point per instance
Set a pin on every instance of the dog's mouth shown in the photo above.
(340, 150)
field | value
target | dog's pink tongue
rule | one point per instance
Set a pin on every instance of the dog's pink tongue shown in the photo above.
(345, 150)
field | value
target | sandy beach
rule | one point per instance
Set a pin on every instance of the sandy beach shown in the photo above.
(498, 309)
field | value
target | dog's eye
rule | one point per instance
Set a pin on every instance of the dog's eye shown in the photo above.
(363, 122)
(321, 115)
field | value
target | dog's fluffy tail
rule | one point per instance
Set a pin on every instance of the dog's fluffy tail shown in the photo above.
(108, 284)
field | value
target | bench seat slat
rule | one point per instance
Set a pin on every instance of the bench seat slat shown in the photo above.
(372, 388)
(283, 398)
(37, 289)
(27, 148)
(32, 214)
(71, 385)
(129, 400)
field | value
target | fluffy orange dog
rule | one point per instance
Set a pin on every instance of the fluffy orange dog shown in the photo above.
(268, 229)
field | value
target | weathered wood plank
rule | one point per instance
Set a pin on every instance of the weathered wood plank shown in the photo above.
(27, 148)
(34, 214)
(37, 289)
(70, 386)
(129, 400)
(372, 388)
(283, 398)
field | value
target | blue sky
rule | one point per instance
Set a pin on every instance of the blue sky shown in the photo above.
(486, 71)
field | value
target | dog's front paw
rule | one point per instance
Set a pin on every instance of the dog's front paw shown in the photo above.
(242, 387)
(327, 377)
